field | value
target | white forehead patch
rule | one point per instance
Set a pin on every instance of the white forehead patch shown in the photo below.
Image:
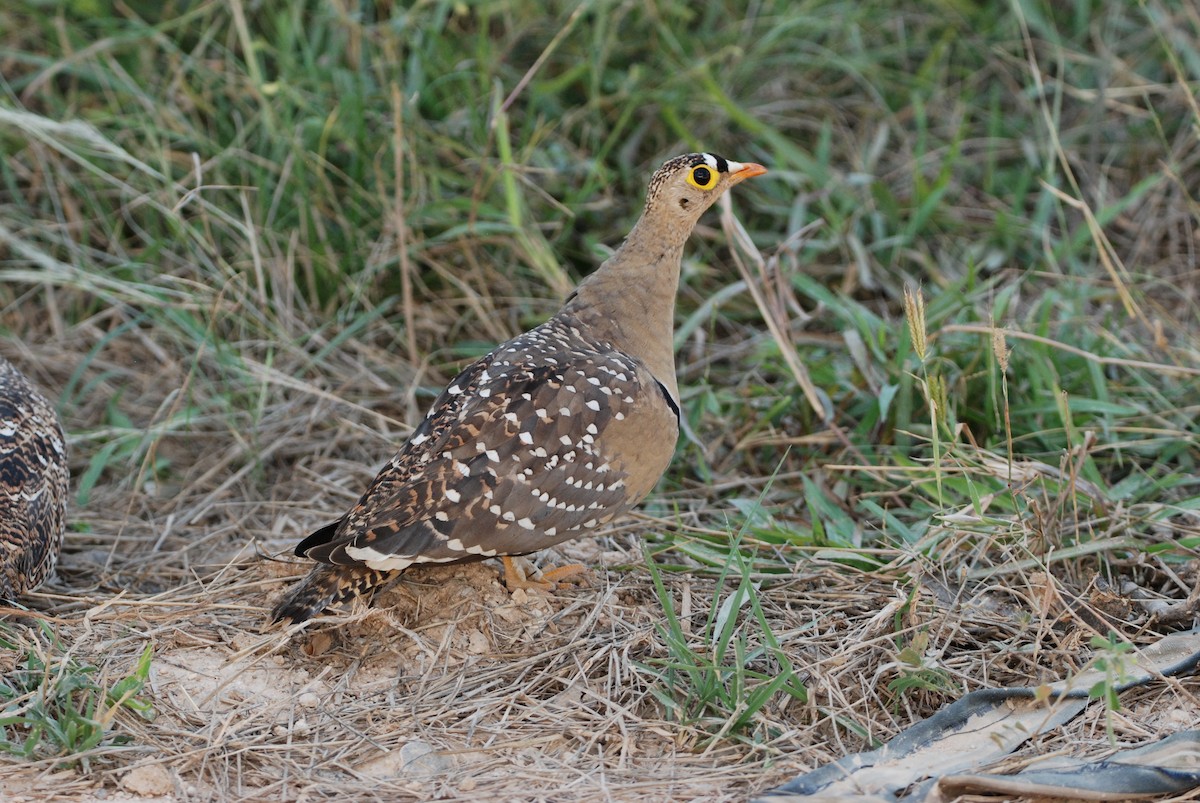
(710, 160)
(735, 166)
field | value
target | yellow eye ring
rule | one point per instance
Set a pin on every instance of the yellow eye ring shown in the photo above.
(703, 177)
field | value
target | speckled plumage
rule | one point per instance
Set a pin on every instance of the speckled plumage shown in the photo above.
(33, 484)
(550, 435)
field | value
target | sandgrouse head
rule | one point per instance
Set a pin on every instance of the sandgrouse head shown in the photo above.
(684, 187)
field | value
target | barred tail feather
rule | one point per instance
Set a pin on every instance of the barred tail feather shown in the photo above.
(327, 585)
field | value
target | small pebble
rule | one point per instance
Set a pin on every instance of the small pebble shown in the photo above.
(150, 780)
(478, 644)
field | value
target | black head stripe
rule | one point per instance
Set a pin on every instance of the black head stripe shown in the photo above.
(697, 159)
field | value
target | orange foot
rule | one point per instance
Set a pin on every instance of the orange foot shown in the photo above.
(515, 576)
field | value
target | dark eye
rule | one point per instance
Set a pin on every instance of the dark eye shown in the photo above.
(702, 177)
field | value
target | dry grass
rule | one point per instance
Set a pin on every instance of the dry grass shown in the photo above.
(450, 687)
(244, 276)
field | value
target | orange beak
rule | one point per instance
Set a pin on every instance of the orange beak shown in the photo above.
(740, 171)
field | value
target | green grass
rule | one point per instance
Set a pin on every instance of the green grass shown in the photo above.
(1112, 658)
(717, 677)
(53, 705)
(276, 193)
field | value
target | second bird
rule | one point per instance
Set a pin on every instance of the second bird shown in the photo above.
(550, 435)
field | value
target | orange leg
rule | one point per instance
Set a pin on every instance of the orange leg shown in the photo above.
(515, 578)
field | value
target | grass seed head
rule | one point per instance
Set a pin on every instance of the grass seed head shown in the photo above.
(914, 313)
(1000, 348)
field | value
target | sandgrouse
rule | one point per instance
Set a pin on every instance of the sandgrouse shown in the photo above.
(33, 484)
(550, 435)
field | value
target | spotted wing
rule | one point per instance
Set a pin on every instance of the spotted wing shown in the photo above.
(517, 455)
